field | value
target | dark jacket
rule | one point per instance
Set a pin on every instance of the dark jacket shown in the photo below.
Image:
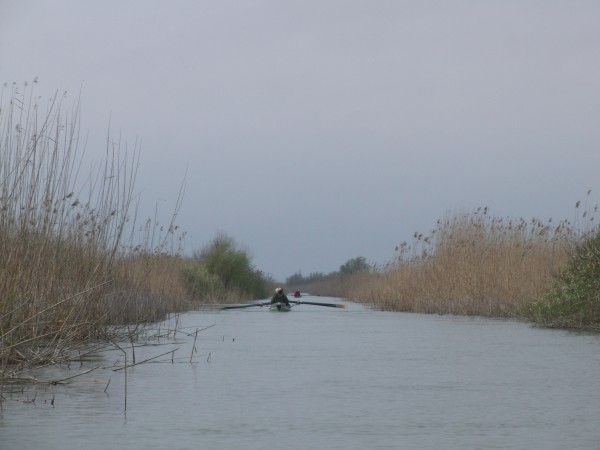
(280, 298)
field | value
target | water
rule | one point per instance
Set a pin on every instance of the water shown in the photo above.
(325, 378)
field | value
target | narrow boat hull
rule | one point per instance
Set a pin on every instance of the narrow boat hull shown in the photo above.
(279, 307)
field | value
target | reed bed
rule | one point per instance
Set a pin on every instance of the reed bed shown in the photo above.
(68, 266)
(470, 264)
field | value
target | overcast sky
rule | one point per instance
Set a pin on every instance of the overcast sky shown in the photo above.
(313, 132)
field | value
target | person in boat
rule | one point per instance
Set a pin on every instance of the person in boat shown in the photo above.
(297, 293)
(280, 297)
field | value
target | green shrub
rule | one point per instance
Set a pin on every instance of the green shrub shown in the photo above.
(201, 284)
(574, 300)
(222, 260)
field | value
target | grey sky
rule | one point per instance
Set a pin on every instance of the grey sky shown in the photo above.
(317, 131)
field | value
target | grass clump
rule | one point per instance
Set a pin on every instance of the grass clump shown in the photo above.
(574, 299)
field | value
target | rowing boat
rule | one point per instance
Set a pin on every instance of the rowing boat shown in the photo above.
(280, 307)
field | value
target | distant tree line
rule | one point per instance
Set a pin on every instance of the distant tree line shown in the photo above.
(350, 267)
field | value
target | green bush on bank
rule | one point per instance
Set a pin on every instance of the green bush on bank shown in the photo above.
(199, 282)
(574, 300)
(222, 270)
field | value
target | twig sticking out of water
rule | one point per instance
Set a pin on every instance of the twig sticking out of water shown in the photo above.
(146, 360)
(125, 354)
(132, 346)
(194, 346)
(54, 383)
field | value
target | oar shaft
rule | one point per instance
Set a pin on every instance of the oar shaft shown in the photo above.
(331, 305)
(245, 306)
(297, 302)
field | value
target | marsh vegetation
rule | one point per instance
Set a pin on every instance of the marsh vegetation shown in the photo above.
(76, 264)
(78, 267)
(478, 264)
(64, 232)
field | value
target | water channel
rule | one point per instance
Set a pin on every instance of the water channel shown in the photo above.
(322, 378)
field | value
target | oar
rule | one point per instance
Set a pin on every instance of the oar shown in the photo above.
(246, 306)
(331, 305)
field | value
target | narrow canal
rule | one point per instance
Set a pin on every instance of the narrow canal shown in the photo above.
(322, 378)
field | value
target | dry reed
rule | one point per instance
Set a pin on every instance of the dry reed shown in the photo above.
(470, 264)
(66, 266)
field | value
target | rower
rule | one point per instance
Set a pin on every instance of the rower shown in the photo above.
(280, 297)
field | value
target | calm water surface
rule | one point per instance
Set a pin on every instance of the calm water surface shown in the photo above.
(324, 378)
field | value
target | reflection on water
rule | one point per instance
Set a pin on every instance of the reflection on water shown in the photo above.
(324, 378)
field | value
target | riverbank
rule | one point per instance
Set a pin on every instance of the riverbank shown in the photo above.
(76, 266)
(478, 265)
(66, 241)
